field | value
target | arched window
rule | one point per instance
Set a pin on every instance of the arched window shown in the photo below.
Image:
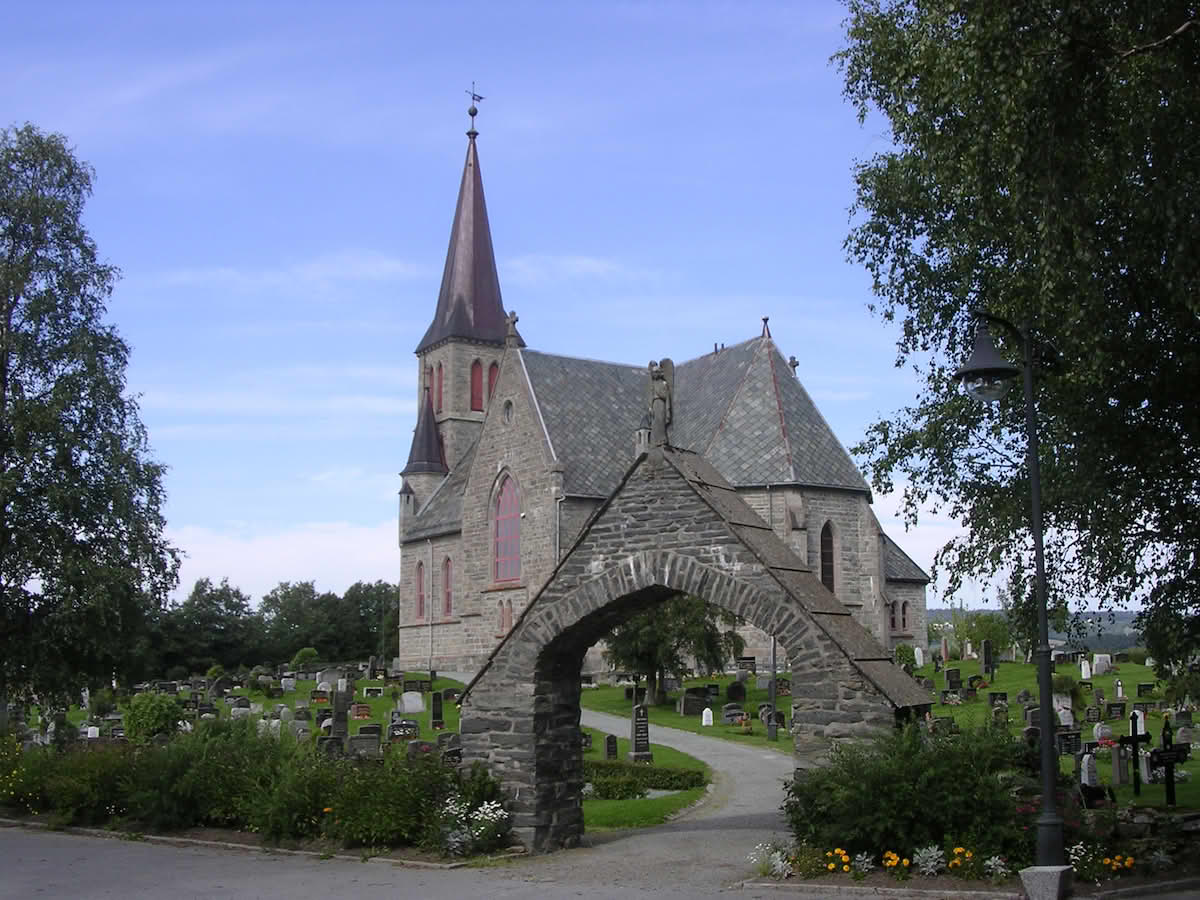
(438, 393)
(827, 556)
(429, 378)
(477, 386)
(506, 617)
(904, 616)
(892, 615)
(493, 374)
(447, 588)
(420, 590)
(507, 545)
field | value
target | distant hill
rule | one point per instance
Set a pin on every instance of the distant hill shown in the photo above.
(1108, 631)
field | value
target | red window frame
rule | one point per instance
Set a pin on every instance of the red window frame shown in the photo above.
(447, 588)
(827, 556)
(506, 545)
(477, 386)
(438, 404)
(493, 375)
(420, 591)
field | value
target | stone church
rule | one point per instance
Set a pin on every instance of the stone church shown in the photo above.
(515, 448)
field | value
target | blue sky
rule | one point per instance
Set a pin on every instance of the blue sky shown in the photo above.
(276, 182)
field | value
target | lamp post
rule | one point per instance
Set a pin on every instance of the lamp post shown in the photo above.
(986, 376)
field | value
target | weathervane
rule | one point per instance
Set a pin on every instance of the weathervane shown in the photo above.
(473, 111)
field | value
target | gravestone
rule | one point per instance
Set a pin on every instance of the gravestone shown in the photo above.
(783, 687)
(419, 749)
(714, 690)
(302, 714)
(412, 702)
(945, 651)
(1085, 671)
(286, 714)
(411, 684)
(369, 691)
(450, 695)
(987, 659)
(995, 697)
(691, 704)
(405, 729)
(1098, 696)
(736, 692)
(1088, 774)
(288, 684)
(1101, 663)
(1000, 715)
(318, 696)
(1069, 742)
(1066, 716)
(372, 728)
(1119, 687)
(639, 692)
(324, 686)
(1101, 732)
(361, 711)
(953, 679)
(1091, 714)
(585, 739)
(610, 746)
(974, 681)
(1171, 754)
(706, 718)
(1031, 735)
(1137, 721)
(1114, 710)
(748, 664)
(341, 714)
(1181, 717)
(241, 703)
(1146, 776)
(93, 732)
(239, 712)
(330, 746)
(742, 676)
(1145, 688)
(639, 735)
(363, 746)
(1121, 658)
(1185, 735)
(1144, 708)
(730, 713)
(437, 722)
(1120, 766)
(1023, 696)
(1031, 714)
(763, 682)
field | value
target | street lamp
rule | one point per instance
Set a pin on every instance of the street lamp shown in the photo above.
(986, 376)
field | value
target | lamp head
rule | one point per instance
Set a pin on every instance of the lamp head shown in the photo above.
(987, 375)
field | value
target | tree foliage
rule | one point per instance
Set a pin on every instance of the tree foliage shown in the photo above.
(83, 559)
(669, 638)
(1044, 167)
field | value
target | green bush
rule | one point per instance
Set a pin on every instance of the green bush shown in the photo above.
(403, 806)
(647, 776)
(1138, 655)
(618, 787)
(905, 655)
(149, 714)
(304, 656)
(294, 805)
(84, 786)
(214, 672)
(101, 703)
(908, 789)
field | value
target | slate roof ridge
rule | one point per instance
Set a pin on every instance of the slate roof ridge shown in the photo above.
(787, 441)
(457, 475)
(537, 406)
(733, 395)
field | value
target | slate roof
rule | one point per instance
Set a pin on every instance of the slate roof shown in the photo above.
(426, 454)
(898, 565)
(442, 512)
(741, 408)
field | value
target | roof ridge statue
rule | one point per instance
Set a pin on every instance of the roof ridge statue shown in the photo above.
(659, 398)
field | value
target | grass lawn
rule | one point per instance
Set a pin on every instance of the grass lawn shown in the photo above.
(611, 699)
(606, 815)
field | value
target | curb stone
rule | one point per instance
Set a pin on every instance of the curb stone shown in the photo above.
(226, 845)
(850, 890)
(1146, 890)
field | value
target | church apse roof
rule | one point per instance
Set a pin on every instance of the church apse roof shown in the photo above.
(899, 566)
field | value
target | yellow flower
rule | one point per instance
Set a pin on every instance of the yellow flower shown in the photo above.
(958, 850)
(906, 862)
(1129, 863)
(845, 868)
(955, 862)
(329, 809)
(830, 867)
(845, 858)
(1107, 861)
(828, 853)
(969, 854)
(838, 851)
(1118, 857)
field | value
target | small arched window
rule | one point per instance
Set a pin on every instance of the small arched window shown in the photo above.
(904, 616)
(507, 544)
(477, 386)
(892, 615)
(493, 374)
(420, 590)
(438, 392)
(506, 617)
(447, 588)
(827, 556)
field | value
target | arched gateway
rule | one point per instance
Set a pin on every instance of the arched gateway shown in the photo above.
(673, 525)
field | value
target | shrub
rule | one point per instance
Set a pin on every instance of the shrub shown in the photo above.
(908, 788)
(647, 776)
(618, 787)
(177, 673)
(403, 806)
(150, 714)
(297, 803)
(1138, 655)
(304, 656)
(101, 703)
(84, 786)
(905, 655)
(214, 672)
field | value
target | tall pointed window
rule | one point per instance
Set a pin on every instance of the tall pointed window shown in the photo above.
(507, 556)
(477, 386)
(827, 556)
(904, 616)
(437, 403)
(892, 615)
(447, 588)
(420, 591)
(493, 374)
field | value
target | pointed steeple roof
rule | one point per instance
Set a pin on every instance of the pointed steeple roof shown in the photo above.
(426, 454)
(469, 304)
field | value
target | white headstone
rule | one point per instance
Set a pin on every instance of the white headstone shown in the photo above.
(1185, 735)
(1087, 773)
(1140, 717)
(262, 725)
(412, 702)
(324, 686)
(93, 731)
(1085, 670)
(1144, 767)
(920, 656)
(256, 708)
(1101, 663)
(341, 682)
(239, 712)
(1150, 662)
(706, 717)
(1120, 687)
(288, 684)
(1102, 732)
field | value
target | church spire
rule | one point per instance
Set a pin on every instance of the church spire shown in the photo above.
(426, 456)
(469, 304)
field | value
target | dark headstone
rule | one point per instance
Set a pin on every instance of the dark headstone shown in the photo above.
(639, 734)
(1069, 742)
(1031, 735)
(318, 696)
(372, 729)
(361, 711)
(736, 693)
(405, 729)
(953, 679)
(995, 697)
(731, 712)
(1145, 688)
(691, 704)
(783, 687)
(330, 746)
(241, 703)
(436, 720)
(585, 738)
(1114, 709)
(1023, 696)
(1091, 714)
(974, 681)
(610, 746)
(450, 695)
(748, 664)
(418, 749)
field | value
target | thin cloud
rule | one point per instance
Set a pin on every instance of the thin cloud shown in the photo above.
(534, 269)
(318, 275)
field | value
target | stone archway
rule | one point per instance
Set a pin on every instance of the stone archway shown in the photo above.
(672, 526)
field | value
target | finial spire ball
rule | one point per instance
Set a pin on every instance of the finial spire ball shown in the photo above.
(472, 112)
